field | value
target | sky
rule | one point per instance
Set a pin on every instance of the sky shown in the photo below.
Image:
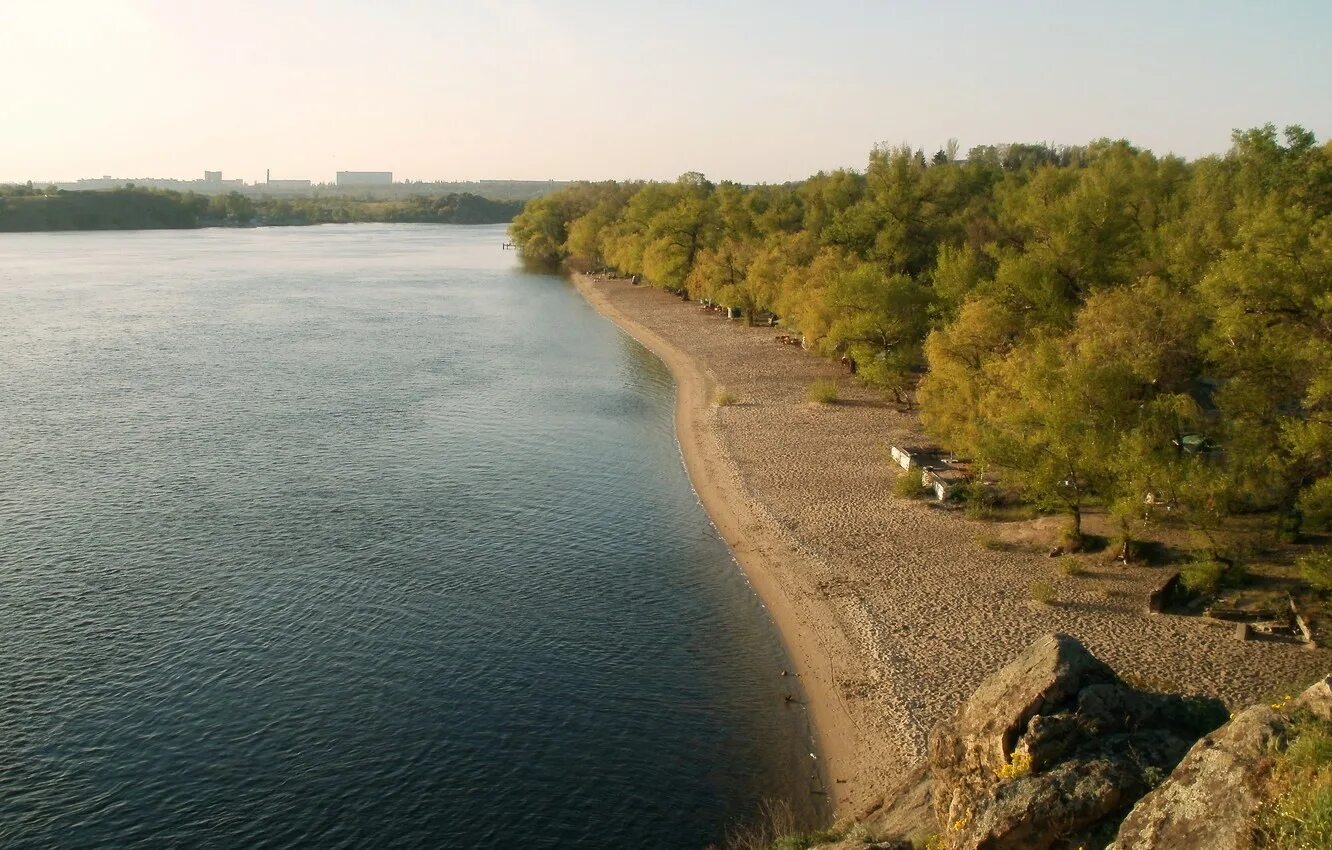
(600, 89)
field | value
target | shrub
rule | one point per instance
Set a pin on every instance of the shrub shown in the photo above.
(723, 398)
(1316, 568)
(977, 493)
(1043, 592)
(1071, 567)
(823, 392)
(908, 485)
(1209, 575)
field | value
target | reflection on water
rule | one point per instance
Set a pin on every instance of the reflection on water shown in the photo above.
(357, 536)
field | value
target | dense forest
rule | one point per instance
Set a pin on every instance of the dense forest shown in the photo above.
(25, 208)
(1093, 324)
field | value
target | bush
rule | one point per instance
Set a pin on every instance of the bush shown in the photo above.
(823, 392)
(1209, 575)
(1316, 568)
(723, 398)
(1071, 567)
(978, 499)
(908, 485)
(1043, 592)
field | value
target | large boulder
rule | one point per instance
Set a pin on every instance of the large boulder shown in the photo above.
(1053, 749)
(1210, 800)
(1317, 700)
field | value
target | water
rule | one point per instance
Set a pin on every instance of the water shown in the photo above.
(357, 536)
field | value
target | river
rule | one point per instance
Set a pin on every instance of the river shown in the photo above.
(353, 536)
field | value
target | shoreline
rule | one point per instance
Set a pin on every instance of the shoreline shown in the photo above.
(727, 506)
(891, 610)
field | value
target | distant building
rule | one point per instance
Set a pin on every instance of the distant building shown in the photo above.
(285, 186)
(282, 187)
(212, 183)
(365, 178)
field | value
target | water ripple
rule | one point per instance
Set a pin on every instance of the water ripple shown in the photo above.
(350, 537)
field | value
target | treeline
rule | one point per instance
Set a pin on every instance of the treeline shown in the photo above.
(1094, 324)
(26, 208)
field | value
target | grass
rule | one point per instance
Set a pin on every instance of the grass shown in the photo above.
(1071, 567)
(994, 544)
(823, 392)
(907, 485)
(1043, 592)
(1316, 568)
(1299, 816)
(775, 829)
(723, 398)
(1208, 575)
(1002, 512)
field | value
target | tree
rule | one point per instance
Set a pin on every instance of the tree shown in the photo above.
(879, 321)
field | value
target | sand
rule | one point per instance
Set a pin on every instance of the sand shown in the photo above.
(890, 610)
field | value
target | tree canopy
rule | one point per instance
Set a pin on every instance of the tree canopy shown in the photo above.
(25, 208)
(1091, 322)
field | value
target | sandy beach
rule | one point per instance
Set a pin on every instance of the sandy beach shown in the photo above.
(890, 609)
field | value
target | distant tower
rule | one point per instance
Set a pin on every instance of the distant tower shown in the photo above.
(268, 175)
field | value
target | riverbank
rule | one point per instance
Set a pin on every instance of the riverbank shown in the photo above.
(25, 210)
(890, 609)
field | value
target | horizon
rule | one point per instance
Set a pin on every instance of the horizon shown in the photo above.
(754, 93)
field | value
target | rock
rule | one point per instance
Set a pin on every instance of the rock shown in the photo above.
(908, 813)
(1317, 700)
(1209, 801)
(1054, 748)
(976, 742)
(1034, 811)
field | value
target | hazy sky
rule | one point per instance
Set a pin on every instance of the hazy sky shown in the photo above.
(589, 89)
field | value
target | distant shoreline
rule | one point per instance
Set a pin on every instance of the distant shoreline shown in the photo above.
(25, 210)
(251, 226)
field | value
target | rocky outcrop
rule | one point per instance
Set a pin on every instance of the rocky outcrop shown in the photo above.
(1053, 748)
(1055, 751)
(1213, 798)
(1317, 700)
(1213, 795)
